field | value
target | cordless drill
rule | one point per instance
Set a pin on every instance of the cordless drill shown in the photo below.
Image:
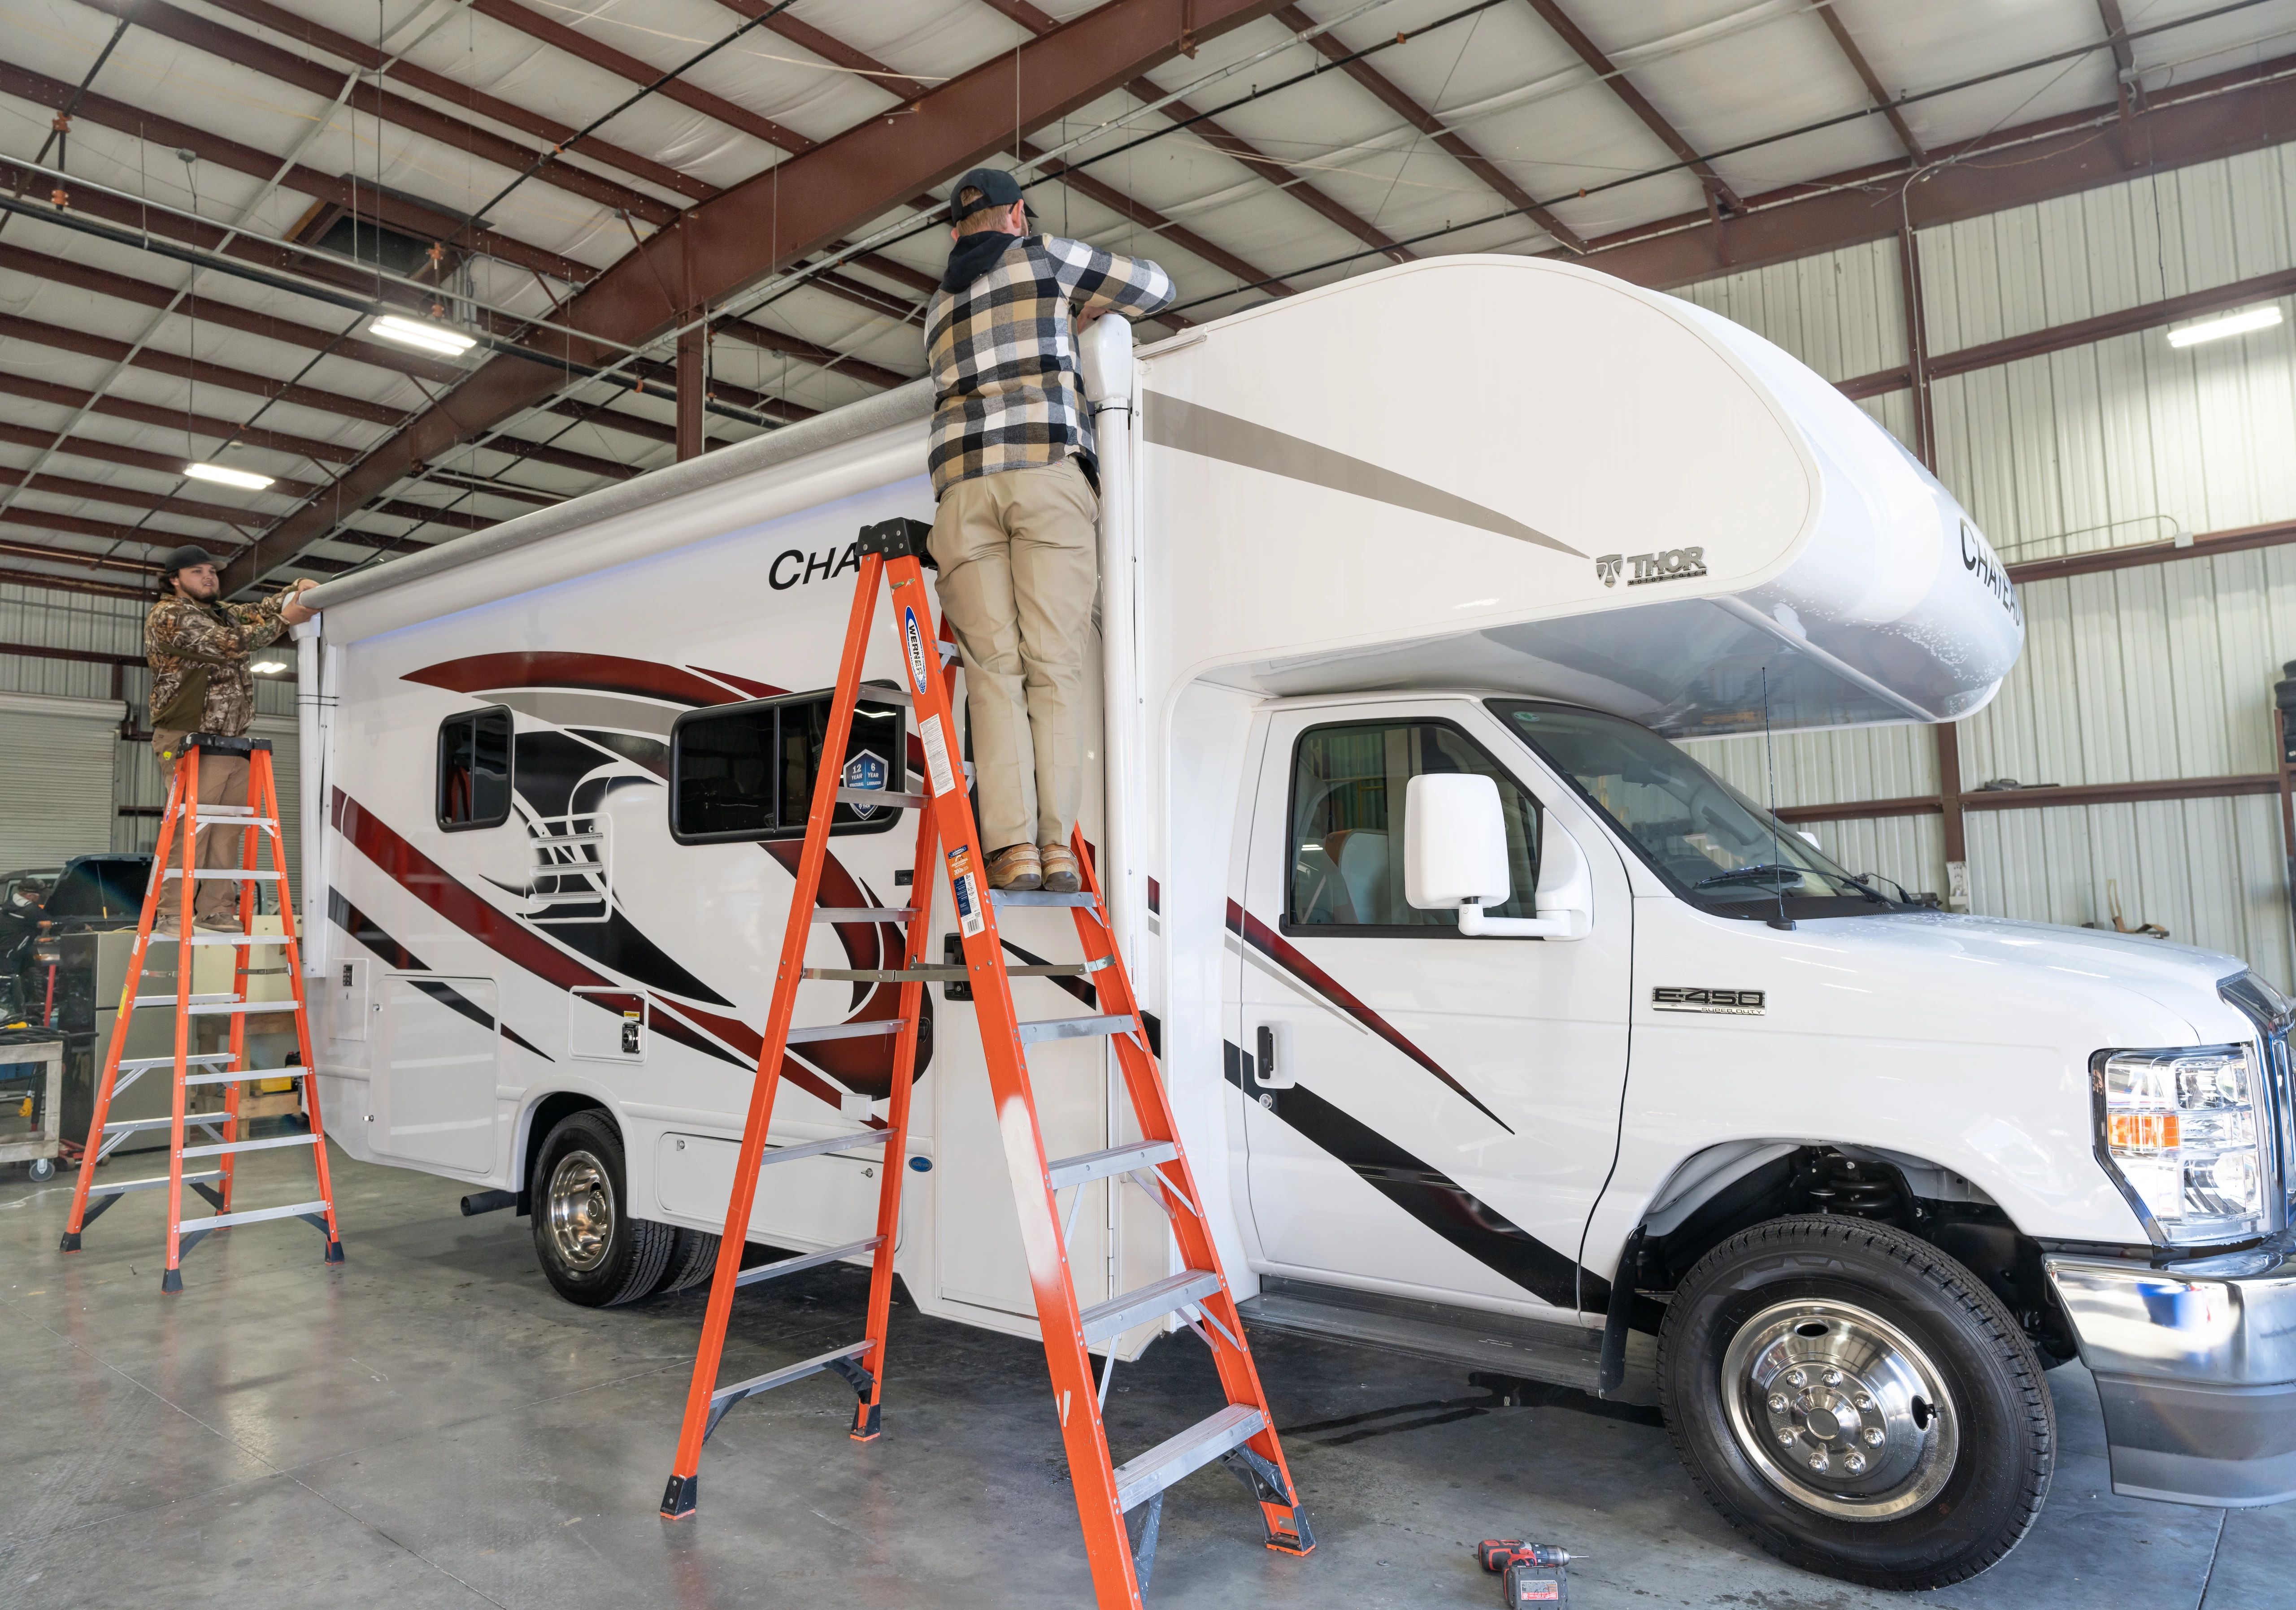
(1533, 1575)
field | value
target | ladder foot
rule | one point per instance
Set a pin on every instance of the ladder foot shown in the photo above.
(1296, 1540)
(678, 1500)
(864, 1424)
(171, 1282)
(335, 1252)
(71, 1243)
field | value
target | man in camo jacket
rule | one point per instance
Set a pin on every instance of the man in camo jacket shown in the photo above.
(197, 647)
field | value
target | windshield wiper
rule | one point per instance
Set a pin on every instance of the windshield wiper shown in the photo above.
(1766, 868)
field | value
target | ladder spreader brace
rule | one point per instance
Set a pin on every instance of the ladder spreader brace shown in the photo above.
(1242, 1434)
(179, 831)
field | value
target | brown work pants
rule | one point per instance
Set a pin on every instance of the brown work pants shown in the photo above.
(223, 781)
(1018, 554)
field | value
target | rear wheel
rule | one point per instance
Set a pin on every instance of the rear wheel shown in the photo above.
(1856, 1402)
(692, 1261)
(588, 1244)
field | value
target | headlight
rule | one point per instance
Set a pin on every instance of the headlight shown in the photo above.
(2179, 1129)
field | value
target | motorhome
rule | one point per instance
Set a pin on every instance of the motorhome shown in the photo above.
(1501, 1031)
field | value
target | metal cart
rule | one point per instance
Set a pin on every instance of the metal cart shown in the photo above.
(32, 1100)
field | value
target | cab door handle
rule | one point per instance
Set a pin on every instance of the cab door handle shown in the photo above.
(1272, 1065)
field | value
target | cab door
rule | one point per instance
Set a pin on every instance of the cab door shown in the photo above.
(1440, 1112)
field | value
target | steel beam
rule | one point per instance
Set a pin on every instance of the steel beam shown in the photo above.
(796, 208)
(105, 561)
(73, 583)
(104, 531)
(2125, 83)
(1392, 96)
(197, 368)
(1721, 198)
(1873, 80)
(135, 458)
(73, 398)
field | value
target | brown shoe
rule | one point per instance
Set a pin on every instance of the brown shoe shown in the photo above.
(1060, 868)
(1016, 867)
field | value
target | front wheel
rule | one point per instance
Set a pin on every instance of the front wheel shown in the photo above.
(1856, 1402)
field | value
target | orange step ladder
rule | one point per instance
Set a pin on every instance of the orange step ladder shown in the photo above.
(1242, 1434)
(213, 1161)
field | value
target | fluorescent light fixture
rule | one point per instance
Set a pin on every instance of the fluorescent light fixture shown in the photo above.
(245, 479)
(2232, 323)
(416, 332)
(268, 667)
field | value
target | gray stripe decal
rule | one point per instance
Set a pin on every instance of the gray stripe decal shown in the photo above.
(1192, 429)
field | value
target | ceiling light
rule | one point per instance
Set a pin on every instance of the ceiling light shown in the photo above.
(2232, 323)
(415, 332)
(268, 667)
(245, 479)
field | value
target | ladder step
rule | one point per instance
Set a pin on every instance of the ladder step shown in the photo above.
(1120, 1314)
(812, 1260)
(136, 1064)
(881, 796)
(1169, 1461)
(169, 1000)
(949, 974)
(847, 1031)
(1074, 1028)
(121, 1187)
(232, 939)
(254, 1215)
(229, 1009)
(128, 1126)
(1038, 897)
(949, 651)
(226, 874)
(859, 1139)
(729, 1395)
(863, 913)
(1115, 1160)
(234, 1075)
(226, 1147)
(224, 810)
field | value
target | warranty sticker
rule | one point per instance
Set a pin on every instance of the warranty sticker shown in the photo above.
(935, 738)
(965, 891)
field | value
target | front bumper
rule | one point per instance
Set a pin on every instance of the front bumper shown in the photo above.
(2196, 1365)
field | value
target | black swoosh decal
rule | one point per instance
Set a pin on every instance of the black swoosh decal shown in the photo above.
(370, 933)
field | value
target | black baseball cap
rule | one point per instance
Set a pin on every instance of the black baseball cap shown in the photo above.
(185, 557)
(997, 188)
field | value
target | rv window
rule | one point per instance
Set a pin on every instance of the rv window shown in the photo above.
(746, 772)
(474, 769)
(1348, 786)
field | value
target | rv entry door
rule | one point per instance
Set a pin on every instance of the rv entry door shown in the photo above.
(1425, 1114)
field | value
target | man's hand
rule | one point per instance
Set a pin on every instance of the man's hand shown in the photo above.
(1086, 317)
(290, 609)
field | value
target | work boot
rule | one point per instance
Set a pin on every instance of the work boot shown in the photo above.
(1017, 867)
(1060, 868)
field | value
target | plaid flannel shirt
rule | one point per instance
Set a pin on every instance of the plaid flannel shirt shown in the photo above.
(1008, 394)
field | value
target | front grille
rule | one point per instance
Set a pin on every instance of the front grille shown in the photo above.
(2265, 1007)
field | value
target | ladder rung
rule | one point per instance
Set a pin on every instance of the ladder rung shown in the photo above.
(254, 1215)
(863, 913)
(224, 1148)
(1074, 1028)
(813, 1260)
(836, 1143)
(234, 939)
(1038, 897)
(243, 876)
(1120, 1314)
(224, 810)
(847, 1031)
(875, 693)
(881, 796)
(948, 975)
(128, 1126)
(234, 1075)
(1115, 1160)
(783, 1377)
(949, 651)
(226, 1009)
(138, 1064)
(169, 1000)
(1169, 1461)
(118, 1187)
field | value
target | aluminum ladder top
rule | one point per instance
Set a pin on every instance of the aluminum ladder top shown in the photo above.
(214, 1157)
(1241, 1433)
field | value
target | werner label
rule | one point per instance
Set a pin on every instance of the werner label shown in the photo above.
(964, 892)
(914, 641)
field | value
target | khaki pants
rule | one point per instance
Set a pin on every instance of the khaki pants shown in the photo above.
(1020, 561)
(223, 781)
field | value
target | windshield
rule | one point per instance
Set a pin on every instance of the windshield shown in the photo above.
(1719, 849)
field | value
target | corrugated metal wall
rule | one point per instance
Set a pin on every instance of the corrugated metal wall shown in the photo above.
(2143, 675)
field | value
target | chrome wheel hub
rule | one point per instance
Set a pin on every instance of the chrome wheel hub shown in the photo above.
(580, 1205)
(1839, 1410)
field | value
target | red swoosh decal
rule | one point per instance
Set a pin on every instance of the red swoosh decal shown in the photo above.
(1272, 945)
(596, 672)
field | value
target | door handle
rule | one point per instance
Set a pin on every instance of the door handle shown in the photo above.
(1272, 1065)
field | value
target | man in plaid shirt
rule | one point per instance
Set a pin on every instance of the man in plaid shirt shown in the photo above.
(1015, 537)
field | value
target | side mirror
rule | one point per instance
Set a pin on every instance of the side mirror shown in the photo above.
(1455, 859)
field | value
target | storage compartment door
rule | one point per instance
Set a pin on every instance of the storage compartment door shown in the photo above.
(434, 1078)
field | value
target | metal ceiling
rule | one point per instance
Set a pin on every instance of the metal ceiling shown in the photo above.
(686, 221)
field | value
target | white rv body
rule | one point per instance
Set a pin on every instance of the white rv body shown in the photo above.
(1390, 501)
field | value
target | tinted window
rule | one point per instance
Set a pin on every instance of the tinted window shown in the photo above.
(1348, 799)
(101, 886)
(474, 769)
(747, 771)
(1715, 846)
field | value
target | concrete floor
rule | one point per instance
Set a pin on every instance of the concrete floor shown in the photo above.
(430, 1426)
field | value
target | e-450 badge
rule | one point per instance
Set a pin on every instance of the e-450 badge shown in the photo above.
(1735, 1003)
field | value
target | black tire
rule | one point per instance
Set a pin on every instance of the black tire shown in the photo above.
(588, 1244)
(1943, 1495)
(692, 1261)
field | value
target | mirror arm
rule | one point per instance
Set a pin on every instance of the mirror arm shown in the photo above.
(1565, 924)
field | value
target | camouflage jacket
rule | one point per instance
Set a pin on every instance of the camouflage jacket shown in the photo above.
(183, 640)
